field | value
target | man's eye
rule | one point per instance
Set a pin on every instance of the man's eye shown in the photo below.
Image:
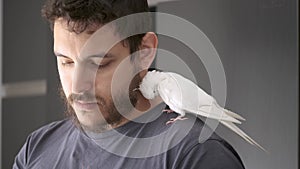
(103, 65)
(67, 63)
(99, 66)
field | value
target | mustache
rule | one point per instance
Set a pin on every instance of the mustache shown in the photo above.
(85, 97)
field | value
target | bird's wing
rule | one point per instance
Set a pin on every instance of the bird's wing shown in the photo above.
(182, 94)
(232, 114)
(169, 94)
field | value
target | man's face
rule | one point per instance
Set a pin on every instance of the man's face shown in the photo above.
(87, 80)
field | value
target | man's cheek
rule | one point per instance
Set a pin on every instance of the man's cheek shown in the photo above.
(66, 86)
(102, 88)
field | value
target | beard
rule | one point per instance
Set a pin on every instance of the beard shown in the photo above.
(112, 114)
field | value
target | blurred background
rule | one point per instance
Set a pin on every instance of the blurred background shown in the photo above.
(257, 41)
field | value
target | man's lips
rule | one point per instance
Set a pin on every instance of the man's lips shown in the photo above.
(85, 105)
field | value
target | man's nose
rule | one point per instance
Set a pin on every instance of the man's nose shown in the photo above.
(83, 79)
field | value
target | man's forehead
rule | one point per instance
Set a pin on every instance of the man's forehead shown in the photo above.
(94, 41)
(62, 32)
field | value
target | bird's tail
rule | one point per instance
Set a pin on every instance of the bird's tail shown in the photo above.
(234, 115)
(230, 113)
(241, 133)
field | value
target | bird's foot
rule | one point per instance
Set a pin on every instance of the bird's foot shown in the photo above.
(168, 111)
(172, 120)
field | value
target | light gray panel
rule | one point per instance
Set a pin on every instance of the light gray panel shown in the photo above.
(257, 43)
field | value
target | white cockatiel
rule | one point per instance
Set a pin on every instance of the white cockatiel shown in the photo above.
(183, 96)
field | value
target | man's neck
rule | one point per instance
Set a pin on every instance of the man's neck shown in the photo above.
(143, 105)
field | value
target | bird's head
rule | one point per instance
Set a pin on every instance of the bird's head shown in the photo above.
(149, 84)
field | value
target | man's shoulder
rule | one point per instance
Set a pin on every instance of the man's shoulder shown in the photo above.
(188, 132)
(183, 135)
(202, 140)
(196, 130)
(55, 125)
(56, 129)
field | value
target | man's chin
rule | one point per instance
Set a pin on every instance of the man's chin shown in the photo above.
(97, 122)
(93, 124)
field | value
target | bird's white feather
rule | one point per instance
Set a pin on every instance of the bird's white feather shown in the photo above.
(241, 133)
(183, 96)
(181, 93)
(148, 87)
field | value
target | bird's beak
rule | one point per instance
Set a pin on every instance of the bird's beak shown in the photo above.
(135, 89)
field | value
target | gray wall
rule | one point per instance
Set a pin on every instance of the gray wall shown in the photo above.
(27, 57)
(257, 43)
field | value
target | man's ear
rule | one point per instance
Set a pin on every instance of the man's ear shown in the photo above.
(148, 50)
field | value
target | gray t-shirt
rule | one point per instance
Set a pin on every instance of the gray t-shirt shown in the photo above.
(135, 145)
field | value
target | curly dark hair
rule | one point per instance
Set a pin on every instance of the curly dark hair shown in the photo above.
(79, 14)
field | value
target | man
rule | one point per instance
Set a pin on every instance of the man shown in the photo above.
(110, 124)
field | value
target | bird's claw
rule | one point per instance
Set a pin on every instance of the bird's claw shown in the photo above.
(168, 111)
(172, 120)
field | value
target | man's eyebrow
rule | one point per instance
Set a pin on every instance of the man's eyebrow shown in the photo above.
(60, 55)
(101, 55)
